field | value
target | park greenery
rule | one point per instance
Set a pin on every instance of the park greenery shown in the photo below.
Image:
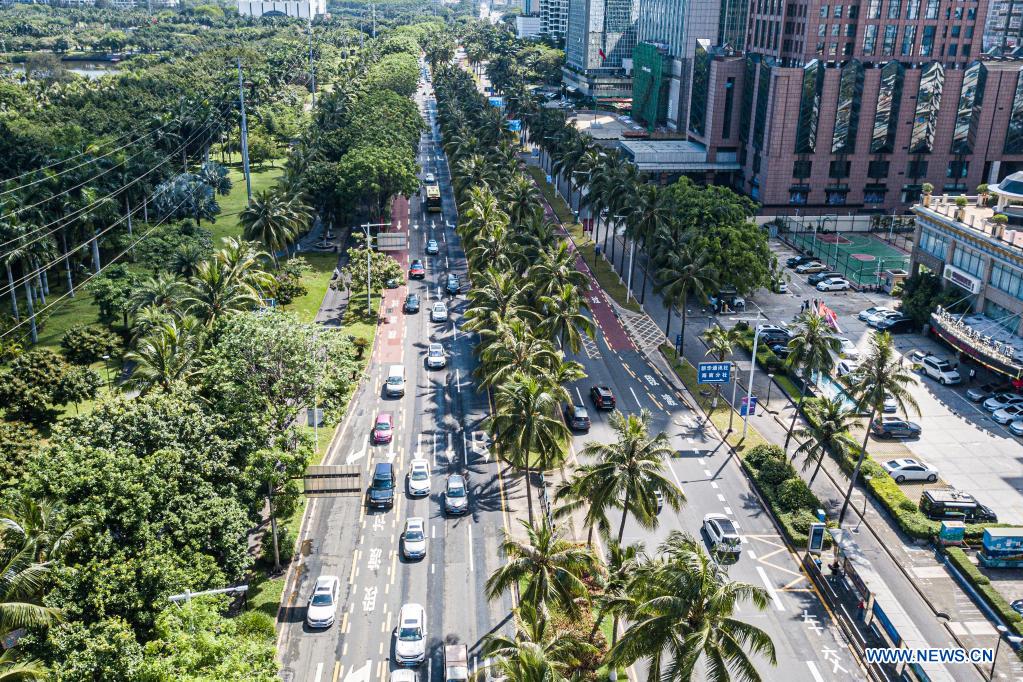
(148, 443)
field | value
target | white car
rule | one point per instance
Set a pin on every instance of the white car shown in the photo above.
(410, 649)
(875, 310)
(846, 367)
(833, 284)
(419, 478)
(890, 404)
(1002, 400)
(811, 267)
(907, 469)
(772, 329)
(941, 370)
(435, 358)
(322, 609)
(1016, 427)
(848, 349)
(1008, 414)
(877, 318)
(722, 534)
(439, 312)
(413, 538)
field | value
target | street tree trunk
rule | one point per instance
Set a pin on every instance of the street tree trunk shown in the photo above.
(799, 408)
(625, 515)
(31, 311)
(67, 266)
(14, 294)
(856, 469)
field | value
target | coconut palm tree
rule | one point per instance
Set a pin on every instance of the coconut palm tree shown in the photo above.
(521, 197)
(219, 290)
(554, 269)
(169, 353)
(551, 568)
(811, 353)
(879, 378)
(563, 318)
(650, 217)
(621, 570)
(536, 651)
(684, 614)
(526, 425)
(575, 494)
(513, 349)
(274, 220)
(15, 669)
(684, 272)
(185, 260)
(496, 295)
(40, 525)
(162, 291)
(828, 429)
(629, 473)
(720, 342)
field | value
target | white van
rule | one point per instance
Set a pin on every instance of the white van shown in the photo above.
(395, 385)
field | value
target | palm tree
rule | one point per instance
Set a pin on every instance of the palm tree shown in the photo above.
(811, 353)
(521, 197)
(41, 526)
(554, 269)
(720, 342)
(621, 571)
(13, 669)
(167, 354)
(685, 604)
(551, 567)
(162, 291)
(684, 272)
(828, 429)
(536, 651)
(563, 318)
(526, 425)
(879, 378)
(629, 473)
(217, 290)
(273, 220)
(513, 349)
(649, 217)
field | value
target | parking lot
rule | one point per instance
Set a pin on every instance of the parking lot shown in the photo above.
(970, 450)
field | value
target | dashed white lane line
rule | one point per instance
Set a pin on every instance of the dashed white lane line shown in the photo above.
(634, 397)
(770, 589)
(706, 472)
(319, 672)
(728, 511)
(714, 485)
(721, 498)
(813, 671)
(751, 554)
(468, 527)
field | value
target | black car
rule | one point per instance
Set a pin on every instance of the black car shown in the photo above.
(781, 350)
(381, 490)
(775, 337)
(453, 285)
(895, 428)
(900, 324)
(602, 397)
(412, 303)
(577, 417)
(818, 277)
(796, 261)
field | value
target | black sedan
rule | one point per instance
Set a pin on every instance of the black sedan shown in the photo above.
(895, 428)
(412, 303)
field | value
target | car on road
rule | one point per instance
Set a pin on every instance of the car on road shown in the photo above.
(577, 417)
(909, 469)
(410, 647)
(1002, 400)
(810, 268)
(383, 428)
(1016, 427)
(429, 179)
(432, 247)
(865, 315)
(439, 312)
(722, 534)
(846, 367)
(602, 397)
(435, 358)
(1017, 606)
(456, 495)
(894, 428)
(878, 317)
(890, 404)
(412, 303)
(833, 284)
(322, 609)
(419, 477)
(413, 538)
(848, 349)
(981, 393)
(796, 261)
(381, 489)
(392, 283)
(897, 324)
(417, 270)
(818, 277)
(452, 285)
(1008, 414)
(941, 370)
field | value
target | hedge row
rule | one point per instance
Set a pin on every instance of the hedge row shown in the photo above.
(790, 499)
(982, 584)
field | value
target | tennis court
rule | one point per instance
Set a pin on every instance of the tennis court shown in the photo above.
(860, 256)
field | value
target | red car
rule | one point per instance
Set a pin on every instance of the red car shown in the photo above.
(383, 429)
(417, 270)
(602, 397)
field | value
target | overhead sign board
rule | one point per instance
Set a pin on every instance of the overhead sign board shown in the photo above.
(714, 373)
(391, 241)
(496, 102)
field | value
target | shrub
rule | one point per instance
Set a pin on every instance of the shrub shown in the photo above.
(794, 495)
(961, 202)
(982, 584)
(775, 471)
(1000, 218)
(256, 623)
(85, 344)
(285, 545)
(801, 521)
(762, 453)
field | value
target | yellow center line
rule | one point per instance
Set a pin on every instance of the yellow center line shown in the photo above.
(337, 671)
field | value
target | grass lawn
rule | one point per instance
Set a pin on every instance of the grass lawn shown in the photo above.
(61, 317)
(316, 282)
(232, 205)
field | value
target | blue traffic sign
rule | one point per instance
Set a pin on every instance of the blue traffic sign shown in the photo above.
(713, 372)
(515, 125)
(748, 406)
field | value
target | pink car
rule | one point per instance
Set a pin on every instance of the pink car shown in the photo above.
(383, 428)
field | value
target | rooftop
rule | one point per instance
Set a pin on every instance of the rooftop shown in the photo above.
(672, 155)
(976, 217)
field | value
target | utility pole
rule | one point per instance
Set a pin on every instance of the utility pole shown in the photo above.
(312, 65)
(244, 134)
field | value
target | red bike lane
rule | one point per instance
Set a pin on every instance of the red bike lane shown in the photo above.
(390, 345)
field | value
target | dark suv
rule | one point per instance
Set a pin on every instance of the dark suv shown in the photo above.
(381, 490)
(899, 324)
(412, 303)
(602, 397)
(577, 417)
(452, 285)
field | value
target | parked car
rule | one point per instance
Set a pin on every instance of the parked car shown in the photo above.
(722, 534)
(864, 315)
(895, 428)
(417, 270)
(833, 284)
(1008, 414)
(412, 303)
(381, 489)
(897, 324)
(432, 247)
(876, 318)
(413, 538)
(781, 350)
(811, 267)
(940, 370)
(772, 334)
(796, 261)
(846, 367)
(452, 285)
(949, 503)
(456, 496)
(848, 349)
(980, 393)
(410, 647)
(1016, 427)
(439, 312)
(419, 477)
(577, 417)
(322, 609)
(908, 469)
(819, 277)
(1002, 400)
(727, 296)
(383, 428)
(602, 397)
(435, 358)
(890, 404)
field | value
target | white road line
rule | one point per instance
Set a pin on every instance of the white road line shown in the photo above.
(454, 328)
(468, 527)
(635, 398)
(319, 672)
(721, 498)
(751, 554)
(813, 671)
(728, 511)
(714, 485)
(579, 395)
(449, 441)
(706, 472)
(770, 589)
(458, 381)
(447, 264)
(702, 462)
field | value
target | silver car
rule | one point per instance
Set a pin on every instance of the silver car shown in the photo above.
(439, 312)
(413, 538)
(907, 469)
(419, 477)
(410, 649)
(456, 495)
(435, 358)
(722, 534)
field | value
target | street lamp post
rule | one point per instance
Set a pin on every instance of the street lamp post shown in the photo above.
(770, 385)
(752, 368)
(369, 262)
(106, 366)
(1013, 639)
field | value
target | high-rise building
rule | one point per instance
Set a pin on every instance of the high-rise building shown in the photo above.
(1004, 26)
(598, 47)
(554, 18)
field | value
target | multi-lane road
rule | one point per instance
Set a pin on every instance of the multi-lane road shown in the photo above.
(437, 420)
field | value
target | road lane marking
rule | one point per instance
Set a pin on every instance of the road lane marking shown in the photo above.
(728, 511)
(770, 589)
(458, 381)
(638, 405)
(702, 462)
(751, 554)
(706, 472)
(721, 498)
(319, 672)
(337, 671)
(471, 566)
(813, 671)
(714, 485)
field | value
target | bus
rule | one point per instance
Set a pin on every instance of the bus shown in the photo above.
(433, 198)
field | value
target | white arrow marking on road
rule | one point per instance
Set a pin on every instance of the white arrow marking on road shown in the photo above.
(356, 456)
(360, 675)
(390, 455)
(770, 589)
(450, 455)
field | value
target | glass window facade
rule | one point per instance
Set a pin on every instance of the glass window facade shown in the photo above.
(847, 114)
(968, 113)
(1004, 317)
(894, 8)
(933, 243)
(1009, 280)
(968, 260)
(1014, 132)
(869, 39)
(928, 101)
(874, 9)
(927, 41)
(913, 9)
(809, 107)
(891, 32)
(763, 90)
(882, 138)
(908, 38)
(747, 98)
(931, 12)
(701, 83)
